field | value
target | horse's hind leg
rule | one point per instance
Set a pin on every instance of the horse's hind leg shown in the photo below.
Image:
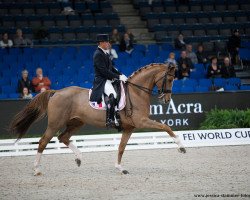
(72, 126)
(42, 144)
(124, 140)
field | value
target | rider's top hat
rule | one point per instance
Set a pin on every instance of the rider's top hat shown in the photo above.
(102, 38)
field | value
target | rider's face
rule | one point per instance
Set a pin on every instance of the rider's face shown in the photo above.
(105, 45)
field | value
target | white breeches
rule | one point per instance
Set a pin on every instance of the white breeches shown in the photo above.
(108, 89)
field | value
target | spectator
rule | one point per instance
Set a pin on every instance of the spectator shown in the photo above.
(131, 36)
(115, 37)
(112, 53)
(214, 70)
(227, 69)
(24, 82)
(191, 54)
(126, 44)
(171, 59)
(20, 40)
(184, 66)
(26, 94)
(234, 45)
(6, 42)
(40, 81)
(179, 42)
(201, 55)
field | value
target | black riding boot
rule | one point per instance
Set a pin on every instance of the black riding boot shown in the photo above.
(110, 119)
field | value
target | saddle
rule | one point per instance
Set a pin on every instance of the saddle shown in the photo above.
(120, 100)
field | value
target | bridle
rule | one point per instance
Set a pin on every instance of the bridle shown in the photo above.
(161, 91)
(164, 91)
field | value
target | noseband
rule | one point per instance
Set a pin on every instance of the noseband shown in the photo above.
(164, 91)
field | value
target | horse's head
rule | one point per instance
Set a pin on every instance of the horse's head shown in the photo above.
(164, 82)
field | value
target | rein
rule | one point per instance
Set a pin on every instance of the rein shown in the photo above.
(149, 91)
(162, 91)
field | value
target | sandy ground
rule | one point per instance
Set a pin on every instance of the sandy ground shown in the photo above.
(154, 174)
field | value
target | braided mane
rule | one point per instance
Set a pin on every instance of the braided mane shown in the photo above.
(143, 68)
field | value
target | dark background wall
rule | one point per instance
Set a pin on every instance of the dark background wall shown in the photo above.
(186, 111)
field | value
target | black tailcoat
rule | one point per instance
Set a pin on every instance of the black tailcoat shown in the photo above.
(104, 70)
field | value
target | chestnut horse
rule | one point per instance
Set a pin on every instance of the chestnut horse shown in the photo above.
(69, 109)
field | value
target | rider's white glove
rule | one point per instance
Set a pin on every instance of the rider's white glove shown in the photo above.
(123, 78)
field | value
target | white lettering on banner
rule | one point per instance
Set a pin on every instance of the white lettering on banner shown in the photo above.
(156, 110)
(215, 137)
(242, 134)
(176, 109)
(175, 122)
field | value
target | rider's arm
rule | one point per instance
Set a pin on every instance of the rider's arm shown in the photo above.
(100, 67)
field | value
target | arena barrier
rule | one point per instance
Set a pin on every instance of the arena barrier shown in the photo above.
(146, 140)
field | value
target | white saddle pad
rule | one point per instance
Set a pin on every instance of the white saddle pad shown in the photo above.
(102, 105)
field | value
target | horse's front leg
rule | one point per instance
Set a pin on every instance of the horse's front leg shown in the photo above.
(124, 140)
(148, 123)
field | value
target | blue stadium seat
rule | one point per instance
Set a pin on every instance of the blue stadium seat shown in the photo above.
(69, 71)
(133, 64)
(233, 81)
(14, 95)
(167, 47)
(231, 88)
(6, 89)
(220, 82)
(201, 89)
(244, 54)
(4, 81)
(57, 86)
(3, 96)
(164, 54)
(187, 89)
(190, 82)
(196, 75)
(13, 81)
(245, 87)
(140, 47)
(153, 49)
(178, 83)
(145, 61)
(176, 89)
(205, 83)
(160, 59)
(136, 54)
(199, 67)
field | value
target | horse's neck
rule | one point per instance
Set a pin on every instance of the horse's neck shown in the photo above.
(144, 78)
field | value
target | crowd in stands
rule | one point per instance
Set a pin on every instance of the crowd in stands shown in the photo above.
(189, 58)
(18, 41)
(125, 41)
(37, 85)
(184, 56)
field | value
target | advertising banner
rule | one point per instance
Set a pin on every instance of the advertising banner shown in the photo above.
(187, 111)
(184, 112)
(215, 137)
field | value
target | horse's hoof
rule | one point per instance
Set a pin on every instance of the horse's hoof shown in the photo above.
(78, 162)
(37, 172)
(125, 172)
(182, 150)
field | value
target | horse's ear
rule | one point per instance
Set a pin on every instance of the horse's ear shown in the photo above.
(171, 66)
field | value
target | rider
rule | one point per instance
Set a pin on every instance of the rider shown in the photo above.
(105, 74)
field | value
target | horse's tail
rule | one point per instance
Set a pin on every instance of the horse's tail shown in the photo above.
(34, 110)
